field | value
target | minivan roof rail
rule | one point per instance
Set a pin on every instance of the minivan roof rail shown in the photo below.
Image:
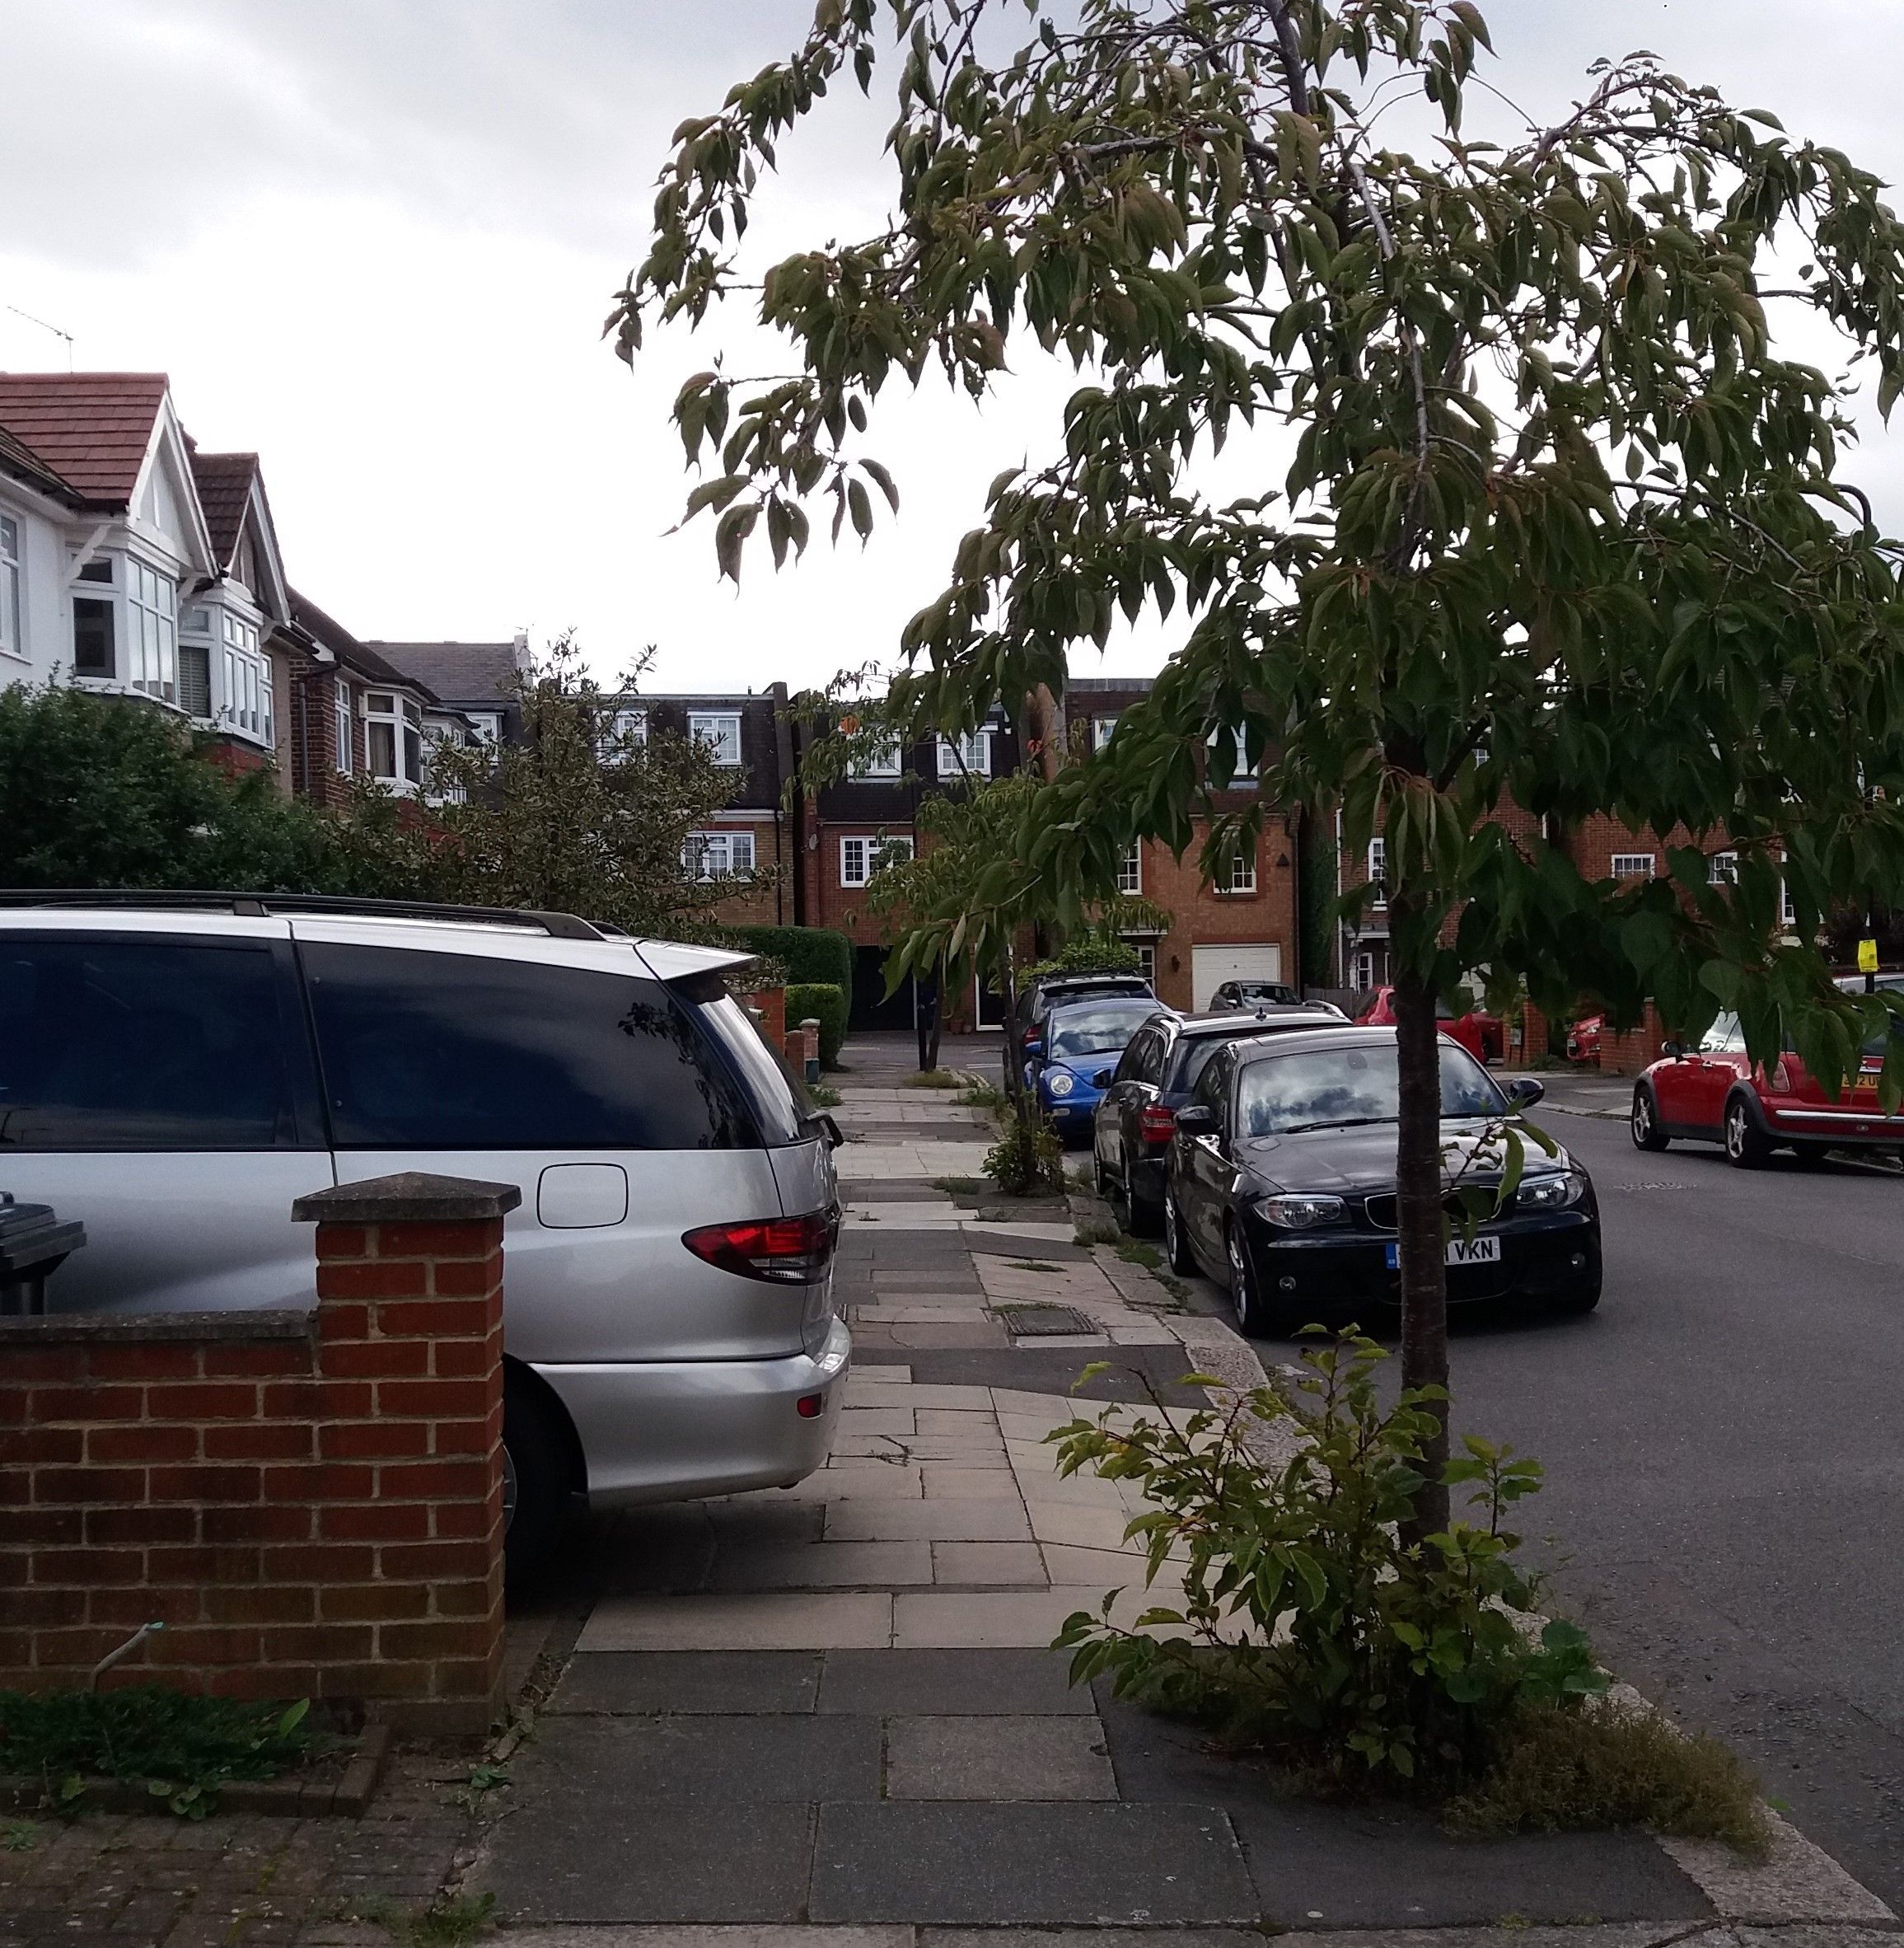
(559, 926)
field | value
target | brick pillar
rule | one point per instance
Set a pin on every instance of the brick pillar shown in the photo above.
(410, 1323)
(770, 1004)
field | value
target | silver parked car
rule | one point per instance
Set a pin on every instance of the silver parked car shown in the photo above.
(175, 1071)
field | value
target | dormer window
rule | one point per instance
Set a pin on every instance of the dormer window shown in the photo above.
(622, 731)
(720, 731)
(394, 739)
(246, 703)
(967, 756)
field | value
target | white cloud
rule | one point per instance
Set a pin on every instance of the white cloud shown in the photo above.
(375, 240)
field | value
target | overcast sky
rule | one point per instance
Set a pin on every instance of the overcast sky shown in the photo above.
(375, 240)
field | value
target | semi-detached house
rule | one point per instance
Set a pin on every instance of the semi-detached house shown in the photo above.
(134, 564)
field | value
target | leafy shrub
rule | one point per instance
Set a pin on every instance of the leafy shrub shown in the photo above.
(820, 1001)
(812, 956)
(182, 1747)
(1092, 951)
(1027, 1157)
(1308, 1624)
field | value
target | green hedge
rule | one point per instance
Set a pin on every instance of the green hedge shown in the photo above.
(809, 954)
(820, 1001)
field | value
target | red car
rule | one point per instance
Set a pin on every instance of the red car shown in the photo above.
(1716, 1093)
(1482, 1035)
(1583, 1039)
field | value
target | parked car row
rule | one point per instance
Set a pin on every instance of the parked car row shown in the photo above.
(174, 1072)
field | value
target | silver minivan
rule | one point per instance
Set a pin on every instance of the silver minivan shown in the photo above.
(175, 1071)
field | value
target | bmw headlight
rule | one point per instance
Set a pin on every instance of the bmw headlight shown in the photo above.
(1304, 1214)
(1060, 1082)
(1553, 1189)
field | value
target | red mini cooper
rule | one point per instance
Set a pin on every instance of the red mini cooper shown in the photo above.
(1716, 1093)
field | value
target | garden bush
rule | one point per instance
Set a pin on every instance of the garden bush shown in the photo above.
(810, 955)
(825, 1002)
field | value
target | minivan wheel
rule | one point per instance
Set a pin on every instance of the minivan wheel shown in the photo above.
(1745, 1144)
(1175, 1245)
(1646, 1122)
(535, 1475)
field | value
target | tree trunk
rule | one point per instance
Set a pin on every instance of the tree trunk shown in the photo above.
(1014, 1058)
(1423, 1249)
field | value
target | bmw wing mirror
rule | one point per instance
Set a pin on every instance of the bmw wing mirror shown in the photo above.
(1524, 1091)
(1196, 1121)
(1102, 1079)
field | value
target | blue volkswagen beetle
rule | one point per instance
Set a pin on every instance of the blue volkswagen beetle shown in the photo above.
(1081, 1043)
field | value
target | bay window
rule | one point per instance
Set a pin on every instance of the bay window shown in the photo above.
(95, 623)
(152, 630)
(248, 703)
(10, 637)
(394, 739)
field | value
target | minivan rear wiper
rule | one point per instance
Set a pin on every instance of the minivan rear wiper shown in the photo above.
(1347, 1122)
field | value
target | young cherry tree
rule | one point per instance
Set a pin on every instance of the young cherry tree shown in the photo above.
(1547, 513)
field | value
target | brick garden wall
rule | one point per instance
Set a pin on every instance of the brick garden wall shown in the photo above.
(310, 1503)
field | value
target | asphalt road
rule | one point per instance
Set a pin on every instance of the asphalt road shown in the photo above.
(1724, 1448)
(1724, 1442)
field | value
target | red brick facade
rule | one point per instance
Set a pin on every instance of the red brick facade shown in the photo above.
(310, 1503)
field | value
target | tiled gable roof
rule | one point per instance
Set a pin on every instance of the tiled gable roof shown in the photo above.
(93, 428)
(472, 673)
(224, 483)
(22, 463)
(359, 656)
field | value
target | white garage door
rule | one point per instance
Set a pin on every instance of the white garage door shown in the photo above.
(1210, 967)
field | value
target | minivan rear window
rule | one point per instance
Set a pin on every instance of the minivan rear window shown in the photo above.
(141, 1044)
(762, 1075)
(432, 1051)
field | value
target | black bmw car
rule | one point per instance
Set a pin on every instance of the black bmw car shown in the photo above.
(1281, 1183)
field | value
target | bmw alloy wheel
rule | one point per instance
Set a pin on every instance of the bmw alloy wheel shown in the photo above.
(1243, 1291)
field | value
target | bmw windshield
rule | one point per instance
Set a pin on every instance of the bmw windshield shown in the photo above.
(1338, 1088)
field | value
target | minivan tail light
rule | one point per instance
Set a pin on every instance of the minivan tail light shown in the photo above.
(1155, 1124)
(794, 1251)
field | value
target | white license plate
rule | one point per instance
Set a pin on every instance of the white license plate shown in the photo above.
(1461, 1251)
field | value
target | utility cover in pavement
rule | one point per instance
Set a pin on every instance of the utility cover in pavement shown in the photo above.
(1039, 1321)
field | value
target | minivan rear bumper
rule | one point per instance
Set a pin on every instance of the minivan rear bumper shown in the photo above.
(681, 1430)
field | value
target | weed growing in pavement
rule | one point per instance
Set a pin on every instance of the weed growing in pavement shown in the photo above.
(1027, 1157)
(981, 1095)
(1134, 1251)
(960, 1187)
(1311, 1631)
(450, 1921)
(822, 1095)
(1096, 1231)
(930, 1079)
(1604, 1765)
(18, 1836)
(181, 1748)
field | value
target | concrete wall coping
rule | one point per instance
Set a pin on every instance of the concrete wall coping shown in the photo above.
(409, 1196)
(145, 1328)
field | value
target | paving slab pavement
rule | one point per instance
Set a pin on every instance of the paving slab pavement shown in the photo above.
(831, 1714)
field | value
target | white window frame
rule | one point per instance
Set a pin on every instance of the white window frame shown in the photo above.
(1102, 728)
(721, 855)
(1130, 869)
(859, 850)
(1242, 872)
(343, 718)
(1788, 906)
(1146, 952)
(1634, 865)
(152, 612)
(1246, 772)
(970, 754)
(11, 575)
(1722, 869)
(488, 726)
(720, 730)
(887, 761)
(245, 672)
(404, 716)
(436, 737)
(1378, 873)
(623, 726)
